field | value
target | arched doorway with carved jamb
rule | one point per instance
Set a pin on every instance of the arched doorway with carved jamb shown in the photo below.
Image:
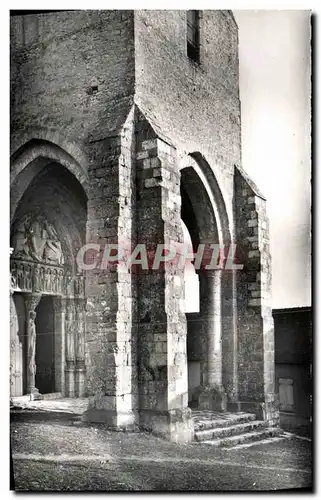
(48, 226)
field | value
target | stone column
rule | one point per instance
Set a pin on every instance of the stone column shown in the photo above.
(80, 323)
(16, 365)
(59, 307)
(70, 349)
(210, 308)
(229, 335)
(212, 396)
(31, 302)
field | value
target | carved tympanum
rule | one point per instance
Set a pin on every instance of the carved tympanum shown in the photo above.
(36, 239)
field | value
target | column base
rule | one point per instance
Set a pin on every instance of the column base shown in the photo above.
(267, 411)
(174, 425)
(103, 411)
(70, 382)
(210, 398)
(80, 377)
(34, 394)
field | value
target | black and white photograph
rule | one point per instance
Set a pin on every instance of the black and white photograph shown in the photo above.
(160, 255)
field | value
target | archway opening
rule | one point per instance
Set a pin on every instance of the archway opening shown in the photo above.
(191, 279)
(48, 228)
(200, 233)
(54, 201)
(192, 308)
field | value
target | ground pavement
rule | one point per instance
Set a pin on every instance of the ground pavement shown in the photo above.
(59, 454)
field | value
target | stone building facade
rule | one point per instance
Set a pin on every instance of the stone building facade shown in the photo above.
(118, 134)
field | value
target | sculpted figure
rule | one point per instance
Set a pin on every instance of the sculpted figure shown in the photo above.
(70, 336)
(36, 279)
(31, 345)
(60, 281)
(80, 338)
(28, 277)
(55, 281)
(52, 250)
(42, 278)
(19, 238)
(13, 276)
(69, 283)
(15, 352)
(49, 277)
(13, 282)
(78, 285)
(20, 276)
(37, 239)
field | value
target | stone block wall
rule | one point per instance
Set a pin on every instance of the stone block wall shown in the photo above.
(116, 91)
(161, 329)
(111, 303)
(195, 107)
(72, 74)
(254, 313)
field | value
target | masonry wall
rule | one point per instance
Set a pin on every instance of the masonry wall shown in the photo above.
(72, 83)
(196, 107)
(75, 75)
(72, 73)
(256, 356)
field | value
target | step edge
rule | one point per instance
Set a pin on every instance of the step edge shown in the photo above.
(246, 435)
(220, 422)
(238, 427)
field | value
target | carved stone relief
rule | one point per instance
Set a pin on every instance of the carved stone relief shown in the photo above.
(34, 238)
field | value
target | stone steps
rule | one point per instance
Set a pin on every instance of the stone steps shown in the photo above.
(51, 396)
(257, 436)
(232, 430)
(210, 420)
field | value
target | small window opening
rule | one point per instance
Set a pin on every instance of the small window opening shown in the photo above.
(193, 35)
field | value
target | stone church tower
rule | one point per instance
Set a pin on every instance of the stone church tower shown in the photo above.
(124, 123)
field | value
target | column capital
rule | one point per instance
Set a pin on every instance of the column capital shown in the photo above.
(80, 303)
(70, 305)
(209, 273)
(59, 304)
(31, 301)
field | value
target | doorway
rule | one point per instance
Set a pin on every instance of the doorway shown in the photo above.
(45, 346)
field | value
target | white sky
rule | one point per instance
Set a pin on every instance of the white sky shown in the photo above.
(274, 51)
(274, 54)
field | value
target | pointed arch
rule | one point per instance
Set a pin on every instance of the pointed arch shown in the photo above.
(31, 158)
(206, 199)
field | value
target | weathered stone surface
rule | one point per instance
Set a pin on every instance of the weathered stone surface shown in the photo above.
(116, 137)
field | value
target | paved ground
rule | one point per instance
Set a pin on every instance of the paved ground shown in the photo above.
(59, 455)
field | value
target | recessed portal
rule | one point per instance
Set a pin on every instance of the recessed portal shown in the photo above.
(45, 352)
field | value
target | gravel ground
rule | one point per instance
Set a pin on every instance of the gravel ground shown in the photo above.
(62, 456)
